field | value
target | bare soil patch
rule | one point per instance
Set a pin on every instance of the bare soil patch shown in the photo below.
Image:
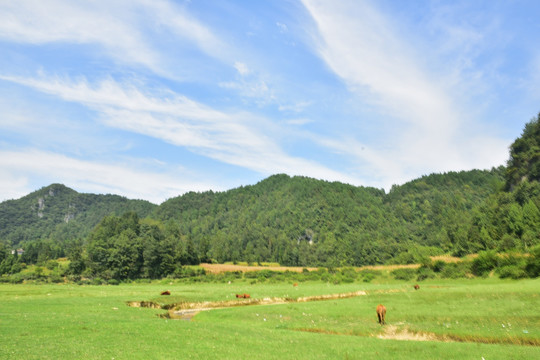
(219, 268)
(396, 333)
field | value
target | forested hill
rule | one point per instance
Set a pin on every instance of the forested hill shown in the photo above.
(301, 221)
(59, 213)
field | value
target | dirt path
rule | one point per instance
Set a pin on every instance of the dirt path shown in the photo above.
(394, 332)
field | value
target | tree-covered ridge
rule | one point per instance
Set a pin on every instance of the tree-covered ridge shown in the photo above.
(510, 219)
(60, 213)
(280, 219)
(437, 210)
(524, 162)
(303, 221)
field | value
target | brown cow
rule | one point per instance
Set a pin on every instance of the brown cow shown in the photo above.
(381, 313)
(295, 284)
(416, 287)
(166, 292)
(246, 296)
(239, 296)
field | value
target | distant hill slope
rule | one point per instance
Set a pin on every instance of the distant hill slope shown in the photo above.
(301, 221)
(524, 162)
(59, 212)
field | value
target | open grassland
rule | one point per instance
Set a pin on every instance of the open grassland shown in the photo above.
(445, 319)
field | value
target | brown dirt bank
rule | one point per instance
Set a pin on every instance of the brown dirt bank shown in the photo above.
(186, 310)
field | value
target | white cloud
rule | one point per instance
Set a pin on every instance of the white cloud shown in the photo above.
(252, 88)
(299, 121)
(39, 22)
(367, 51)
(241, 68)
(121, 28)
(282, 27)
(240, 139)
(19, 168)
(296, 107)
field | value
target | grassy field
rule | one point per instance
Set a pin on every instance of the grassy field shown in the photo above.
(445, 319)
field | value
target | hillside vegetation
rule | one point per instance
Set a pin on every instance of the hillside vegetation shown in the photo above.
(296, 221)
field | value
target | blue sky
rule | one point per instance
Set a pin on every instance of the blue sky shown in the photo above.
(152, 98)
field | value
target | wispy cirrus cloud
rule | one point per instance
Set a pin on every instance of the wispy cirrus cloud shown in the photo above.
(123, 178)
(239, 138)
(125, 30)
(387, 71)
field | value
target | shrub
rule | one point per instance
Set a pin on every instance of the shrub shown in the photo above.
(368, 278)
(424, 272)
(349, 273)
(74, 278)
(97, 281)
(438, 266)
(56, 278)
(512, 272)
(403, 274)
(16, 278)
(533, 262)
(113, 282)
(455, 270)
(326, 277)
(250, 274)
(511, 258)
(370, 273)
(484, 263)
(188, 272)
(51, 264)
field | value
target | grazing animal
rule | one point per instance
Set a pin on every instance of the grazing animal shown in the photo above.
(416, 287)
(239, 296)
(246, 296)
(295, 284)
(166, 292)
(381, 313)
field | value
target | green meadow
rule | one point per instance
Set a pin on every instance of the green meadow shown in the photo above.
(446, 319)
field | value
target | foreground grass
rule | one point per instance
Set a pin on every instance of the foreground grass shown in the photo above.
(489, 318)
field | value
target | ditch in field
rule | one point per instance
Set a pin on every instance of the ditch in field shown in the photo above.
(400, 332)
(187, 310)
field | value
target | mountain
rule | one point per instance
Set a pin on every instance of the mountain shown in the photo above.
(59, 212)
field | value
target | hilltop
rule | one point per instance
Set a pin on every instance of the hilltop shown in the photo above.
(60, 213)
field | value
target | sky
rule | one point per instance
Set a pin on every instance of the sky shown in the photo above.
(151, 99)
